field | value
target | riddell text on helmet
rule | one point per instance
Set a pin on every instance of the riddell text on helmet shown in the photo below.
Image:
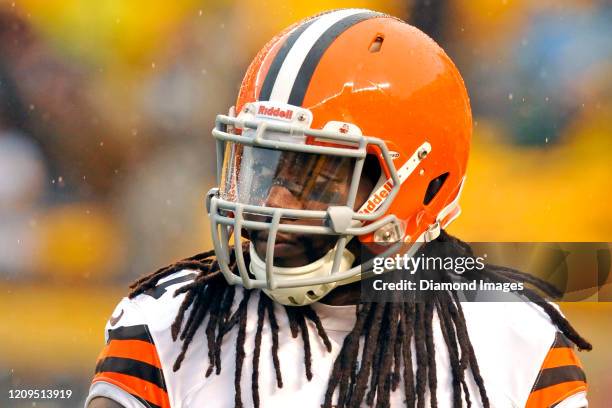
(275, 112)
(377, 198)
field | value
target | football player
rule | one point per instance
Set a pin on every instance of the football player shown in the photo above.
(351, 128)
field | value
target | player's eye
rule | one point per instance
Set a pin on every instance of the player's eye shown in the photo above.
(260, 169)
(293, 187)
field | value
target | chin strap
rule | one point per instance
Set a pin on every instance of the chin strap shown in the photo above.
(303, 295)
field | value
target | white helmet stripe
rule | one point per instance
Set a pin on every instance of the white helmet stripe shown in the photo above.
(279, 58)
(297, 54)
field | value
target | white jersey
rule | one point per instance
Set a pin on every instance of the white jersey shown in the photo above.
(523, 360)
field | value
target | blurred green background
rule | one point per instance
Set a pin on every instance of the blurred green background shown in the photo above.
(105, 149)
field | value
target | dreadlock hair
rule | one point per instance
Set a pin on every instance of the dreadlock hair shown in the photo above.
(368, 373)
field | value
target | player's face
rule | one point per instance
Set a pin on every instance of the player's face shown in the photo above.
(306, 182)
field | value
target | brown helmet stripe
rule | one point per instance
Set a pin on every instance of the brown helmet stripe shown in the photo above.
(316, 52)
(266, 89)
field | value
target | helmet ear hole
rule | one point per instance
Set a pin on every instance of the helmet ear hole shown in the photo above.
(434, 186)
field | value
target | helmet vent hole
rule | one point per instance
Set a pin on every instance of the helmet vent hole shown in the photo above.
(376, 43)
(292, 300)
(434, 186)
(311, 295)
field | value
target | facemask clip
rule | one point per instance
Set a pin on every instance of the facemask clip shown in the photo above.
(340, 218)
(392, 232)
(213, 192)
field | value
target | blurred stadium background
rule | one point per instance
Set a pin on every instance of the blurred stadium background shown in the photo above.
(105, 149)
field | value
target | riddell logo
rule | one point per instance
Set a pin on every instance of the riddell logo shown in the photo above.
(377, 198)
(275, 112)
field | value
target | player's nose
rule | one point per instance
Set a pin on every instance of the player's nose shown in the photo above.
(281, 197)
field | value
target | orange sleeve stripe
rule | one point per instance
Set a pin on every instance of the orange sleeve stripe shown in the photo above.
(562, 356)
(134, 349)
(554, 394)
(136, 386)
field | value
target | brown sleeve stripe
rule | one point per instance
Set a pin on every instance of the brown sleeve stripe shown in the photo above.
(150, 394)
(138, 332)
(130, 361)
(560, 376)
(549, 396)
(553, 376)
(134, 368)
(562, 341)
(562, 356)
(132, 349)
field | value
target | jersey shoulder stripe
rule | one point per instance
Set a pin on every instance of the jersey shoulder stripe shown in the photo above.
(130, 361)
(131, 349)
(138, 352)
(136, 332)
(560, 377)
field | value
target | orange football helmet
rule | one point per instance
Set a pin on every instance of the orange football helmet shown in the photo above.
(343, 84)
